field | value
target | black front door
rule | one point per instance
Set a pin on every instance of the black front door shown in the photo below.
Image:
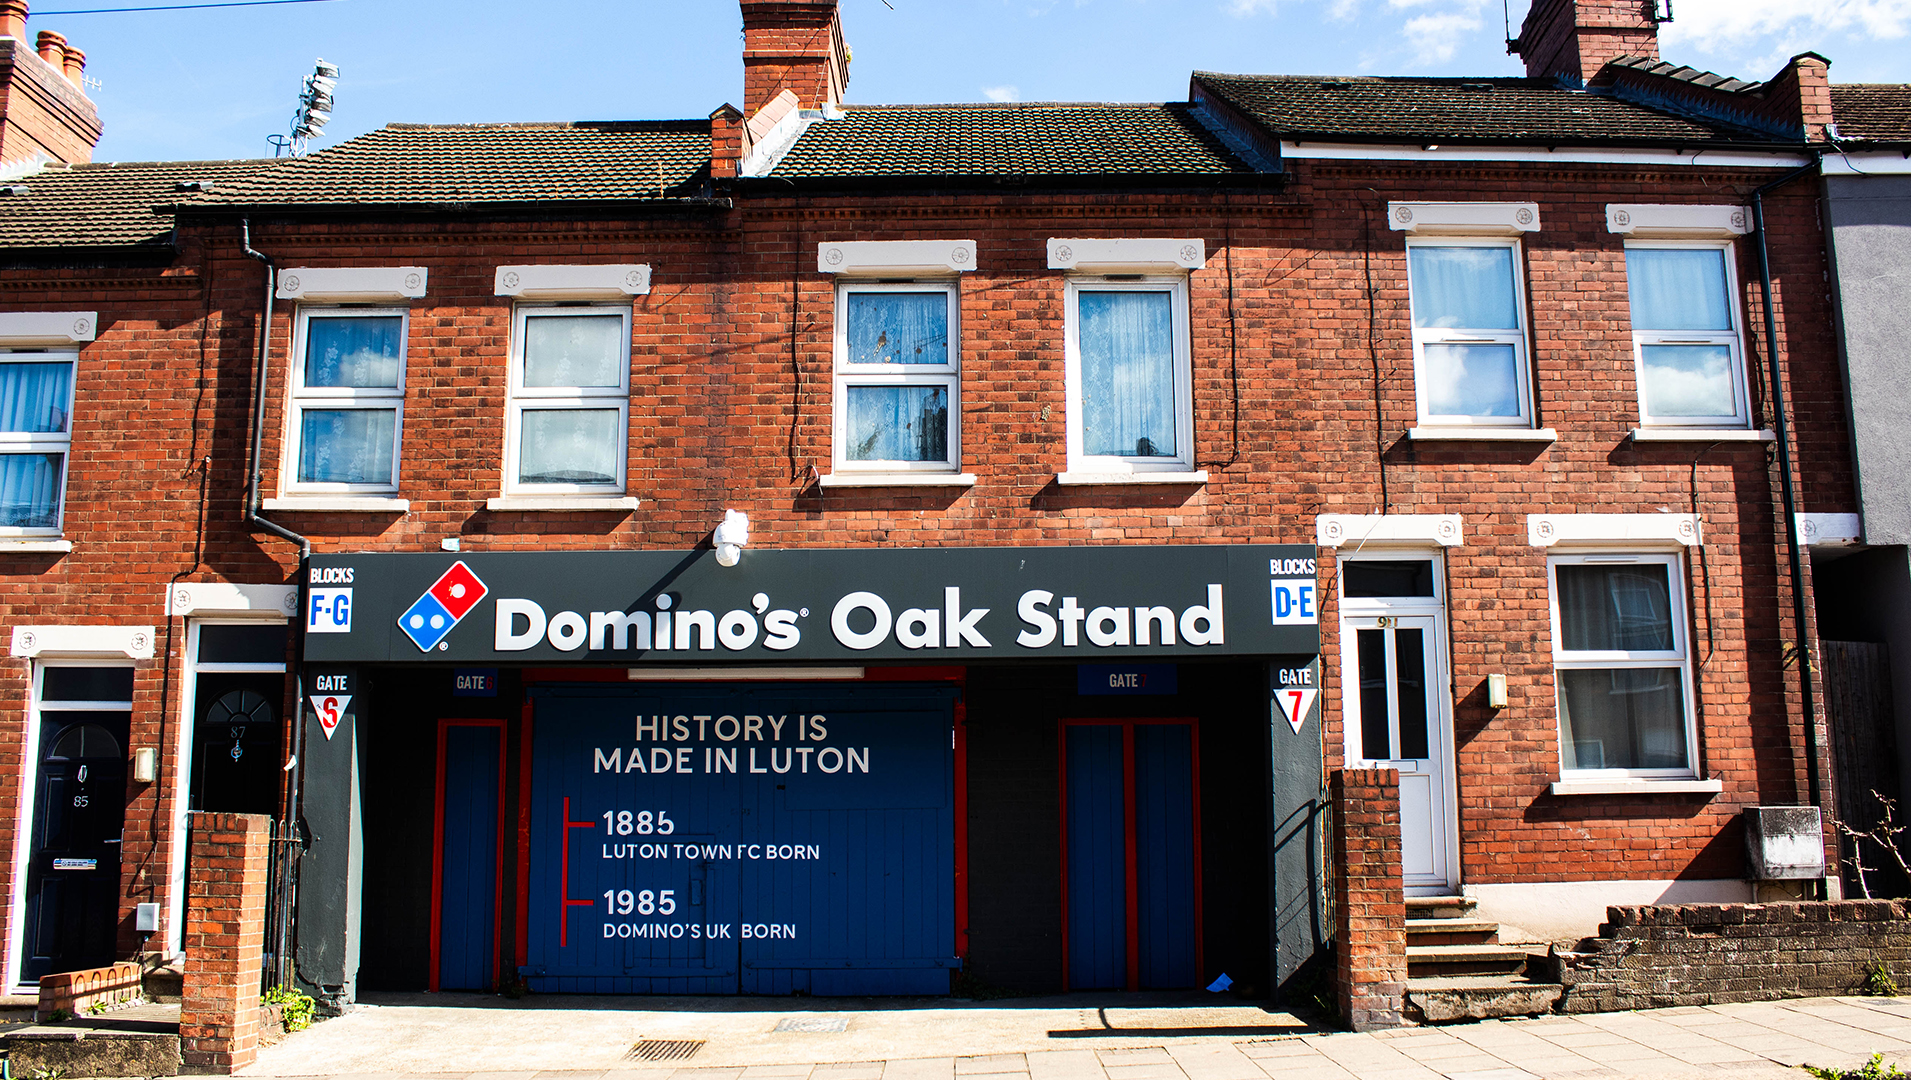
(73, 873)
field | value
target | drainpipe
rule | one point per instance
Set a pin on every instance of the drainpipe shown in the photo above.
(283, 917)
(1805, 659)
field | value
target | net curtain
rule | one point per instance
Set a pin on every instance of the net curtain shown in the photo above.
(33, 400)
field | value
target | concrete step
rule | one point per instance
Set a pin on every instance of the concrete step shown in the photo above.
(1452, 932)
(54, 1051)
(1440, 907)
(162, 984)
(1443, 1000)
(1425, 961)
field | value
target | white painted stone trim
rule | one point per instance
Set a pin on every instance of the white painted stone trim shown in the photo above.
(1629, 786)
(226, 598)
(1353, 530)
(64, 327)
(1690, 434)
(1828, 530)
(523, 504)
(1464, 218)
(1127, 479)
(337, 504)
(1658, 219)
(36, 546)
(1482, 434)
(605, 282)
(904, 258)
(351, 283)
(1142, 254)
(860, 479)
(133, 642)
(1548, 530)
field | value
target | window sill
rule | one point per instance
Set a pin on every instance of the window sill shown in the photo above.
(1688, 434)
(857, 479)
(564, 503)
(352, 504)
(53, 546)
(1110, 479)
(1636, 787)
(1481, 434)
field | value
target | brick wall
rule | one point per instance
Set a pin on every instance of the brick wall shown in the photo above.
(732, 404)
(225, 938)
(1369, 908)
(1711, 954)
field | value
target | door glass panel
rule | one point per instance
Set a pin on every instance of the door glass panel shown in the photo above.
(1387, 577)
(1374, 741)
(86, 684)
(241, 644)
(1410, 674)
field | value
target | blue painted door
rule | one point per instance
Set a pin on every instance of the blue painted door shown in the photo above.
(766, 839)
(1128, 828)
(469, 857)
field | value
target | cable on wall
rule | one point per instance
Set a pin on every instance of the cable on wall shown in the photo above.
(1373, 356)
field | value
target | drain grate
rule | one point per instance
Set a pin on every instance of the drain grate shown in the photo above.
(812, 1023)
(665, 1049)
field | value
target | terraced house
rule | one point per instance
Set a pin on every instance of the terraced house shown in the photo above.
(827, 548)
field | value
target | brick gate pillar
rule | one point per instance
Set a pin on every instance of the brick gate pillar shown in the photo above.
(225, 940)
(1369, 908)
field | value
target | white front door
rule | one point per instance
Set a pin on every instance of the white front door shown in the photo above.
(1391, 672)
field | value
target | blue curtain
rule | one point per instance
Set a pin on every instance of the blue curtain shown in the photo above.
(1126, 374)
(1462, 288)
(30, 490)
(896, 423)
(33, 397)
(1678, 289)
(897, 328)
(356, 353)
(347, 446)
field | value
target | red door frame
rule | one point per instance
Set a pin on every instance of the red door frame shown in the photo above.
(439, 842)
(1131, 841)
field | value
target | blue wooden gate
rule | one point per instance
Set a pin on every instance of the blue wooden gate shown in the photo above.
(1130, 872)
(763, 838)
(467, 870)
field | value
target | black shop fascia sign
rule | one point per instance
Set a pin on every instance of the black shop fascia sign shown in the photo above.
(840, 605)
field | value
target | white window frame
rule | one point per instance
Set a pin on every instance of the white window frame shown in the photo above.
(1436, 335)
(44, 442)
(1078, 461)
(846, 374)
(522, 399)
(1730, 337)
(37, 705)
(1679, 658)
(302, 397)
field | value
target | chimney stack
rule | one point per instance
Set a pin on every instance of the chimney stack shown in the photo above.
(792, 45)
(44, 111)
(1574, 39)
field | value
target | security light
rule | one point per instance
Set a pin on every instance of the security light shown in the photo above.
(729, 537)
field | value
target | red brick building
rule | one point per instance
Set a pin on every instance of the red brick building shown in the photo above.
(1434, 424)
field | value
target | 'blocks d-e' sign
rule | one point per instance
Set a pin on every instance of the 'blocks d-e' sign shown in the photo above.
(442, 606)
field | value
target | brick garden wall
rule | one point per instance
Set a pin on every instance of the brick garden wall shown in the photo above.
(1369, 906)
(225, 941)
(1711, 954)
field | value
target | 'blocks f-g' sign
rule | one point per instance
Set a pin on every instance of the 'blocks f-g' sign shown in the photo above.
(442, 606)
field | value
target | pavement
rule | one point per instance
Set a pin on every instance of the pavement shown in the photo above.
(1071, 1037)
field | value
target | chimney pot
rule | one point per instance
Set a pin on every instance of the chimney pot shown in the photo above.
(53, 49)
(13, 19)
(76, 65)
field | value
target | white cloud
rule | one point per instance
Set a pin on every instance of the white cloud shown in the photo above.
(1749, 40)
(1001, 93)
(1435, 37)
(1240, 9)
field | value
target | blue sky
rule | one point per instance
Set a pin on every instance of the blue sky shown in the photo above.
(215, 83)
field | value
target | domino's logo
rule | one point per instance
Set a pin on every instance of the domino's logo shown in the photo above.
(442, 606)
